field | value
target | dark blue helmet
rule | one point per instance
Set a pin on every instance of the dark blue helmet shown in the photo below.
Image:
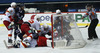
(21, 5)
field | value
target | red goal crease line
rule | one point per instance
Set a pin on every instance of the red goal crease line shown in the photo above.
(79, 24)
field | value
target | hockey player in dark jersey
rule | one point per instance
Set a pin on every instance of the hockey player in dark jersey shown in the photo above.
(18, 20)
(19, 14)
(62, 25)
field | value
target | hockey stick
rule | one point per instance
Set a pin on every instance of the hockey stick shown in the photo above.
(5, 44)
(8, 47)
(83, 26)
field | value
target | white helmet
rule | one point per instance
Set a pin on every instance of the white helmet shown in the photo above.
(13, 4)
(45, 25)
(58, 11)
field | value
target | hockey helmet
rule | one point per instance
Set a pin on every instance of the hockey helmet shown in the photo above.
(13, 4)
(45, 26)
(58, 11)
(22, 5)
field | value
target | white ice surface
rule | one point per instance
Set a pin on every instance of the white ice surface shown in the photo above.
(91, 47)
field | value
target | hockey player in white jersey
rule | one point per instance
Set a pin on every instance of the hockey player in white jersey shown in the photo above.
(44, 35)
(27, 44)
(35, 23)
(41, 41)
(8, 20)
(45, 29)
(30, 39)
(27, 28)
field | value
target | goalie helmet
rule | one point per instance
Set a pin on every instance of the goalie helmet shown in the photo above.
(58, 11)
(13, 4)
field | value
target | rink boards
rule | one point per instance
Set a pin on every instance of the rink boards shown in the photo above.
(46, 18)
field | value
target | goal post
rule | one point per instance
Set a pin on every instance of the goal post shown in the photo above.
(65, 32)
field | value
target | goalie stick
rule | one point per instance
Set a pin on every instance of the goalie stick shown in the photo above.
(5, 43)
(83, 26)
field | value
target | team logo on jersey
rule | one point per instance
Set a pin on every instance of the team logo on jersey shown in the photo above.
(29, 31)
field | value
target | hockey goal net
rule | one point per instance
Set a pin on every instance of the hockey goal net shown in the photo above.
(65, 32)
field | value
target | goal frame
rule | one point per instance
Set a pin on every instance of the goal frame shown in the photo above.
(52, 22)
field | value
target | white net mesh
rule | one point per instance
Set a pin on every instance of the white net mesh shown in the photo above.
(66, 34)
